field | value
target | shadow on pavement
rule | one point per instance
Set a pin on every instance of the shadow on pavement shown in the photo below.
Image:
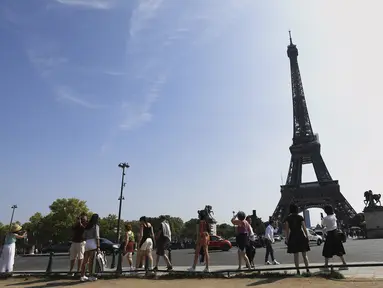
(45, 283)
(264, 282)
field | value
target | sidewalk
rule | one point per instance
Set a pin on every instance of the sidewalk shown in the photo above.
(353, 273)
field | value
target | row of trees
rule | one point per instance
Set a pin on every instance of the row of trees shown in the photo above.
(56, 226)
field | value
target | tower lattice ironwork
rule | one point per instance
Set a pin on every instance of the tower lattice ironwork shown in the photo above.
(306, 150)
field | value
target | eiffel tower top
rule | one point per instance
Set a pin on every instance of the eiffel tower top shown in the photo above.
(292, 50)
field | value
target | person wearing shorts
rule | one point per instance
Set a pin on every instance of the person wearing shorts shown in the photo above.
(146, 241)
(77, 248)
(163, 242)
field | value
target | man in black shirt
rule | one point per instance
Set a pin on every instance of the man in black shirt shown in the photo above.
(77, 248)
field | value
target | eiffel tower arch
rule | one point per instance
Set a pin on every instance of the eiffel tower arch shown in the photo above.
(305, 150)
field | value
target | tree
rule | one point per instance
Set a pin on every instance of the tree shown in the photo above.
(108, 227)
(225, 230)
(258, 226)
(189, 230)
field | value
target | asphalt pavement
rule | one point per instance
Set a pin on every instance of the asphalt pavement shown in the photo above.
(356, 251)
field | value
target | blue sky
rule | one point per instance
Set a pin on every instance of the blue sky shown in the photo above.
(195, 95)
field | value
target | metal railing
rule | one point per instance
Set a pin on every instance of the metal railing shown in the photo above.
(119, 271)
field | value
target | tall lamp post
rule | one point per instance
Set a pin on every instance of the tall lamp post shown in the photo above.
(123, 166)
(14, 207)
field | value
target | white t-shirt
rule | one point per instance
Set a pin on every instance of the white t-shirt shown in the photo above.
(329, 222)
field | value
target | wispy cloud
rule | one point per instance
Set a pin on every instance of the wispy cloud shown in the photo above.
(67, 95)
(45, 64)
(145, 11)
(89, 4)
(138, 114)
(114, 73)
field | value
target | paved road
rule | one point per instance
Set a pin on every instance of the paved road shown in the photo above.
(357, 251)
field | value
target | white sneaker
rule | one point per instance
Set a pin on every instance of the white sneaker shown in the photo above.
(267, 263)
(206, 270)
(191, 269)
(275, 262)
(84, 278)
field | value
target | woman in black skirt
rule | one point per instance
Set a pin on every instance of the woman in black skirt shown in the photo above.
(333, 245)
(297, 237)
(250, 248)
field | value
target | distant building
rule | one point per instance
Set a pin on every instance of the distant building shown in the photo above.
(306, 215)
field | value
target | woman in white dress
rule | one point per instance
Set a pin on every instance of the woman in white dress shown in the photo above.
(7, 258)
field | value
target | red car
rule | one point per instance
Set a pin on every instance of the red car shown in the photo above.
(218, 243)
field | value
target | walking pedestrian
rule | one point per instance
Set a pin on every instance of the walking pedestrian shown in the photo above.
(77, 248)
(242, 238)
(146, 242)
(7, 259)
(202, 242)
(250, 248)
(164, 237)
(269, 241)
(333, 245)
(129, 245)
(297, 237)
(92, 246)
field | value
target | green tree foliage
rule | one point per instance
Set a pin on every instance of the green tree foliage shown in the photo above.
(56, 226)
(225, 230)
(189, 229)
(108, 227)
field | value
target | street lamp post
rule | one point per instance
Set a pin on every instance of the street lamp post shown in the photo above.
(123, 166)
(14, 207)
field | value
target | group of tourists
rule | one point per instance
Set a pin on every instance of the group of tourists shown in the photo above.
(296, 235)
(86, 245)
(86, 242)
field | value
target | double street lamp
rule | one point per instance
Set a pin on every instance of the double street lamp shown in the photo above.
(123, 166)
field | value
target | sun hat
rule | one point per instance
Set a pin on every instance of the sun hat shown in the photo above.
(15, 228)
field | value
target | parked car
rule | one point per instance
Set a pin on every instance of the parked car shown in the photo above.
(277, 238)
(341, 234)
(108, 246)
(320, 233)
(218, 243)
(259, 241)
(233, 241)
(314, 237)
(57, 248)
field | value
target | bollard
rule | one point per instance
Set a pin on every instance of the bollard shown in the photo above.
(113, 265)
(170, 254)
(49, 267)
(119, 263)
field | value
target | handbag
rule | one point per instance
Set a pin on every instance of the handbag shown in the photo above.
(99, 263)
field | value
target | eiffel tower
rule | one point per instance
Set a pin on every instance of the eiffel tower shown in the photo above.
(306, 150)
